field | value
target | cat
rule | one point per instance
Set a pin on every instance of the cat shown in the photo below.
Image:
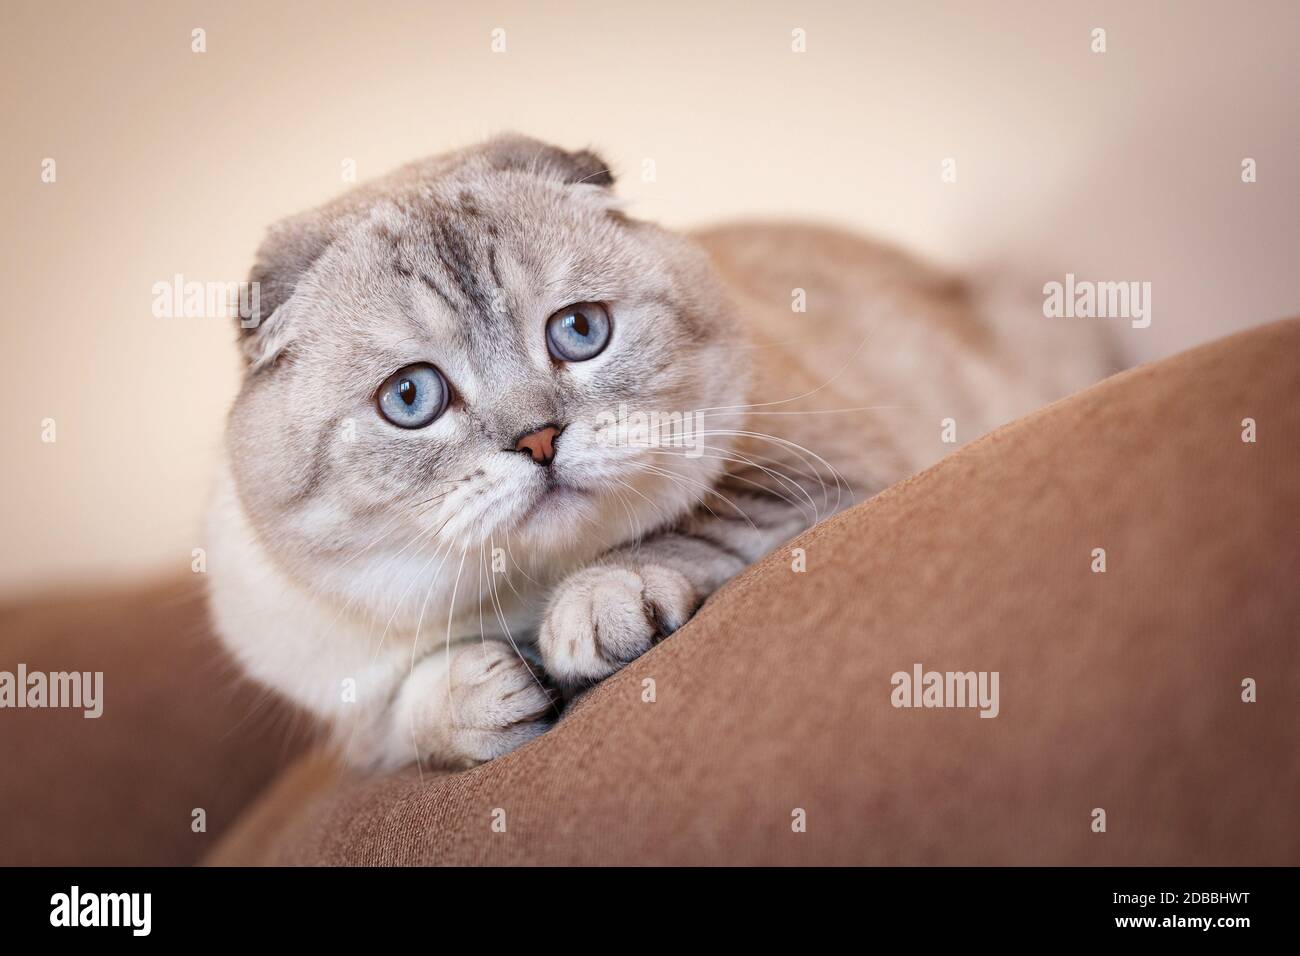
(439, 510)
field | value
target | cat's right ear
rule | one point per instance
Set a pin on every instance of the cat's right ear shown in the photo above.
(511, 151)
(290, 248)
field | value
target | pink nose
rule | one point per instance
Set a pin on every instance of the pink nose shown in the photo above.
(540, 444)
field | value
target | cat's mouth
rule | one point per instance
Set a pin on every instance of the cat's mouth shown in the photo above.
(554, 498)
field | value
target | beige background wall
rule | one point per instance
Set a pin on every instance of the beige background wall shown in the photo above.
(1118, 166)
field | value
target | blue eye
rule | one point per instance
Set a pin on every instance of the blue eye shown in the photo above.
(414, 396)
(578, 332)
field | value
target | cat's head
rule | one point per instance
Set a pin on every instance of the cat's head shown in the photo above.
(442, 368)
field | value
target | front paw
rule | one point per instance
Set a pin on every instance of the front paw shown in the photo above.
(494, 703)
(602, 618)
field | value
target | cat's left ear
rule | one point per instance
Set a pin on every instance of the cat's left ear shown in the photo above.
(524, 154)
(290, 249)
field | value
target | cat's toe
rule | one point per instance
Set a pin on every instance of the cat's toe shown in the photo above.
(497, 702)
(603, 618)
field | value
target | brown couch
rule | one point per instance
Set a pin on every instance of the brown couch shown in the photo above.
(1119, 690)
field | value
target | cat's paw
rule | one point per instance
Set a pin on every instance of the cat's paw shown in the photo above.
(604, 617)
(495, 703)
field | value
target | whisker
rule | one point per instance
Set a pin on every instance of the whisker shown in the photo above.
(797, 505)
(451, 611)
(402, 597)
(708, 413)
(808, 394)
(673, 476)
(841, 482)
(505, 627)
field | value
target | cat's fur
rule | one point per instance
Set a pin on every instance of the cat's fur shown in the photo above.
(382, 578)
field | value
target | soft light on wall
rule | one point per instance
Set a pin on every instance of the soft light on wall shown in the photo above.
(1121, 165)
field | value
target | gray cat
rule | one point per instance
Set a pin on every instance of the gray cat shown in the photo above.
(496, 437)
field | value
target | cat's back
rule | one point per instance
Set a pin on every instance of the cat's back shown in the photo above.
(856, 322)
(838, 288)
(767, 255)
(845, 285)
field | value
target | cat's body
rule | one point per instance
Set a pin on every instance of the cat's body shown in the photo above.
(383, 577)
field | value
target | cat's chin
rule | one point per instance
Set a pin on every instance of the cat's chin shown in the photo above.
(556, 505)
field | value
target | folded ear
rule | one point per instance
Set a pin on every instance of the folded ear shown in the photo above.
(293, 246)
(290, 248)
(512, 151)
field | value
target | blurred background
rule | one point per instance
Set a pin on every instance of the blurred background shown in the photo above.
(1122, 165)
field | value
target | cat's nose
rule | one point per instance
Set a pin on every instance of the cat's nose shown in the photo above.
(540, 443)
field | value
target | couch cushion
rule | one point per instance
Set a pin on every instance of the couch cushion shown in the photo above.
(1119, 690)
(180, 731)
